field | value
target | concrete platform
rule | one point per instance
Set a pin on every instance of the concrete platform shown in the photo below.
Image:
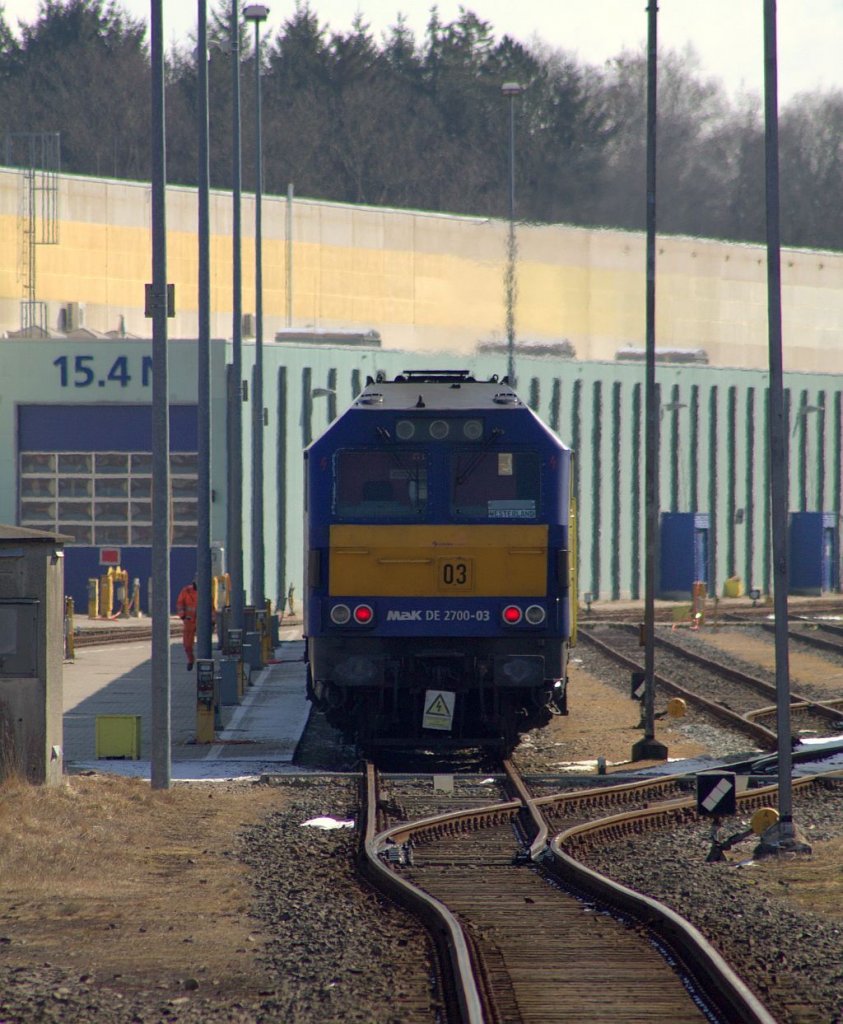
(259, 735)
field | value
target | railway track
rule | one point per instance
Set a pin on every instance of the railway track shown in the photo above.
(117, 635)
(724, 611)
(726, 694)
(819, 635)
(528, 935)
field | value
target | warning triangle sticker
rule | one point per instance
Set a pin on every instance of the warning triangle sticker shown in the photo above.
(439, 708)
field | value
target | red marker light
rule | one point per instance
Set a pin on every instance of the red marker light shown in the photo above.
(511, 614)
(363, 614)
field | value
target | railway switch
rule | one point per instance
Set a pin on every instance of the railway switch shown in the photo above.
(764, 819)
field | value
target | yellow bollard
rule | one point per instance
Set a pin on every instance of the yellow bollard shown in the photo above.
(121, 579)
(134, 608)
(93, 598)
(220, 588)
(106, 594)
(266, 639)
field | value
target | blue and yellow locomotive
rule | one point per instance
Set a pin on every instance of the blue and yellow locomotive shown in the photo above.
(440, 597)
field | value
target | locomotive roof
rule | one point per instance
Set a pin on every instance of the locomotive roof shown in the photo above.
(437, 390)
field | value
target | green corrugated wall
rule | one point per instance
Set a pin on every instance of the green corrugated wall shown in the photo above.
(713, 430)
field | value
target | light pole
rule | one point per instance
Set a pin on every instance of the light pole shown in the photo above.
(511, 90)
(157, 301)
(203, 378)
(648, 747)
(235, 381)
(256, 13)
(787, 836)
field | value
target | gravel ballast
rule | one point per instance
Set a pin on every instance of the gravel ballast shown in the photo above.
(331, 950)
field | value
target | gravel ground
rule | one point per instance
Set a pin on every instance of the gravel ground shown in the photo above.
(332, 951)
(792, 958)
(342, 958)
(327, 948)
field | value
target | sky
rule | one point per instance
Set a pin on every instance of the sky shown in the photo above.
(727, 34)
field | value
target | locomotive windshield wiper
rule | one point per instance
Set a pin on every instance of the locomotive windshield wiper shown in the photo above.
(477, 458)
(401, 460)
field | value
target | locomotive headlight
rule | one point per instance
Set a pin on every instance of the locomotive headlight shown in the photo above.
(405, 429)
(535, 615)
(472, 430)
(511, 614)
(363, 614)
(340, 614)
(356, 671)
(439, 430)
(518, 670)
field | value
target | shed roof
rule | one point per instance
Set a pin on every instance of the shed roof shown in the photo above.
(9, 532)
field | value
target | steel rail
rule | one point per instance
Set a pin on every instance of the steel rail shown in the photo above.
(441, 923)
(822, 644)
(558, 856)
(835, 707)
(732, 718)
(661, 788)
(536, 824)
(456, 821)
(733, 994)
(735, 675)
(741, 1004)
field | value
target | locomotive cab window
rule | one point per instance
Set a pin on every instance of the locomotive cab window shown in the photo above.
(495, 485)
(380, 485)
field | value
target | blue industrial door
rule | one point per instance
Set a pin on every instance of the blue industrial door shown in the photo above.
(814, 552)
(684, 553)
(85, 471)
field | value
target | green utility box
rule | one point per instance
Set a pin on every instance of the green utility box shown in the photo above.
(118, 736)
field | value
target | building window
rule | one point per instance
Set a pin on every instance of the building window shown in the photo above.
(105, 497)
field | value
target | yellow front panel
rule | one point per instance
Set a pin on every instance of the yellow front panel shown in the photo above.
(438, 561)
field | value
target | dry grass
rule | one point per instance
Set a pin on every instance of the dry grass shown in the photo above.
(105, 876)
(812, 882)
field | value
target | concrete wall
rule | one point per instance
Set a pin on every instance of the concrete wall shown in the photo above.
(426, 282)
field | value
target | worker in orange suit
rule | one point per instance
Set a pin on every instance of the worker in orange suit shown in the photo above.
(186, 609)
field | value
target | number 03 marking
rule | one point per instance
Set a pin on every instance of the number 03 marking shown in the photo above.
(455, 574)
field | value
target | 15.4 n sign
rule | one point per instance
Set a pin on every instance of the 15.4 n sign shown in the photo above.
(85, 371)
